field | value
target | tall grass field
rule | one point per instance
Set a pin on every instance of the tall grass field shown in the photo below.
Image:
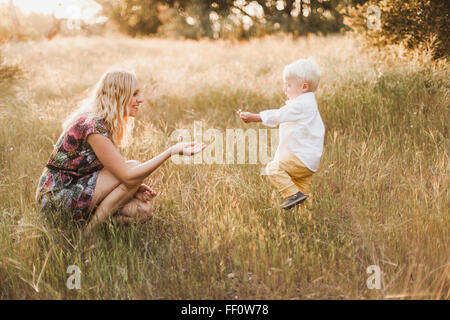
(380, 196)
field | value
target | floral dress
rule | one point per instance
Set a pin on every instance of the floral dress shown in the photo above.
(69, 178)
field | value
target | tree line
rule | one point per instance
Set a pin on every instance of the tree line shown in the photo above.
(225, 18)
(413, 23)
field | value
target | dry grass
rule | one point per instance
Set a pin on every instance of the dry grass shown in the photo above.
(217, 232)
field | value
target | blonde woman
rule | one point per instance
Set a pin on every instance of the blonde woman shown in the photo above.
(86, 175)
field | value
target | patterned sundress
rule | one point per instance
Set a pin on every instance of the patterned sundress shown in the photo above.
(69, 178)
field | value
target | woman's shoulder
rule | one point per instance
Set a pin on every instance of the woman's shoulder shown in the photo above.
(89, 123)
(96, 125)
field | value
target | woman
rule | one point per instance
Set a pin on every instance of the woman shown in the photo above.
(86, 172)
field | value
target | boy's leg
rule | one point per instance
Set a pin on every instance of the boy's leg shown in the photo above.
(280, 179)
(302, 179)
(304, 184)
(299, 173)
(289, 175)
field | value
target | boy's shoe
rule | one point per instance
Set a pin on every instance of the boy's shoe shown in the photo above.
(293, 200)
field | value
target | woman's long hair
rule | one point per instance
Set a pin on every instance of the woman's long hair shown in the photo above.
(109, 102)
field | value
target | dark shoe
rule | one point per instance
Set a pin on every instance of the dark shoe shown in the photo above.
(293, 200)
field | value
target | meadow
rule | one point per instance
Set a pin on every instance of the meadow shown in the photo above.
(380, 196)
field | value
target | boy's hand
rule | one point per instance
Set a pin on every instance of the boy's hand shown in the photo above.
(248, 116)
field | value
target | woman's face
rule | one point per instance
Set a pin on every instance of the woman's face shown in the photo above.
(136, 100)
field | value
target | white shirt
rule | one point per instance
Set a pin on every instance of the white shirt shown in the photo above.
(301, 129)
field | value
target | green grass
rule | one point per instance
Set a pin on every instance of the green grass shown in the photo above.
(217, 232)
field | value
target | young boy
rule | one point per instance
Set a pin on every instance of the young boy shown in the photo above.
(301, 133)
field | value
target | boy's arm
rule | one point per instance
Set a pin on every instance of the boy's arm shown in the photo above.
(289, 112)
(270, 118)
(248, 116)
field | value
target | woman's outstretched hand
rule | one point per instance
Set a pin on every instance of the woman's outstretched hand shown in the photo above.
(187, 148)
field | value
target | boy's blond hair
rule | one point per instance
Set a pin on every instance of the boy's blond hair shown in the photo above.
(305, 70)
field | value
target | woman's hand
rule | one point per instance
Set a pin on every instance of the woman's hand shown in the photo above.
(187, 148)
(144, 193)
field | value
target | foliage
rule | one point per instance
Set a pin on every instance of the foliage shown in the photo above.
(8, 73)
(134, 17)
(223, 18)
(414, 23)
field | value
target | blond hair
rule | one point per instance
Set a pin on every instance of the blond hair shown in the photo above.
(305, 70)
(109, 102)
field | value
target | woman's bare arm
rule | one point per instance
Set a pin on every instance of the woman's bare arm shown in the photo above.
(113, 161)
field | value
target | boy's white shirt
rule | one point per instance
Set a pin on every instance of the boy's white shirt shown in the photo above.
(301, 129)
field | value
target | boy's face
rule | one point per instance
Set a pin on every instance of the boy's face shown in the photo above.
(293, 87)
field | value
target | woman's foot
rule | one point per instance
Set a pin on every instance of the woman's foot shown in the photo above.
(135, 211)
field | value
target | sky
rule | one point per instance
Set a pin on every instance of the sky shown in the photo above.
(69, 9)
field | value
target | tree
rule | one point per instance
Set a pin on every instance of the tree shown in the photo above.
(414, 23)
(301, 17)
(134, 17)
(14, 19)
(199, 18)
(9, 74)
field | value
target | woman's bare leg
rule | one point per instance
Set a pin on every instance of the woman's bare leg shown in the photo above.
(113, 201)
(106, 183)
(112, 195)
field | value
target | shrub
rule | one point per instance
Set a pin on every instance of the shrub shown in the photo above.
(8, 73)
(413, 23)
